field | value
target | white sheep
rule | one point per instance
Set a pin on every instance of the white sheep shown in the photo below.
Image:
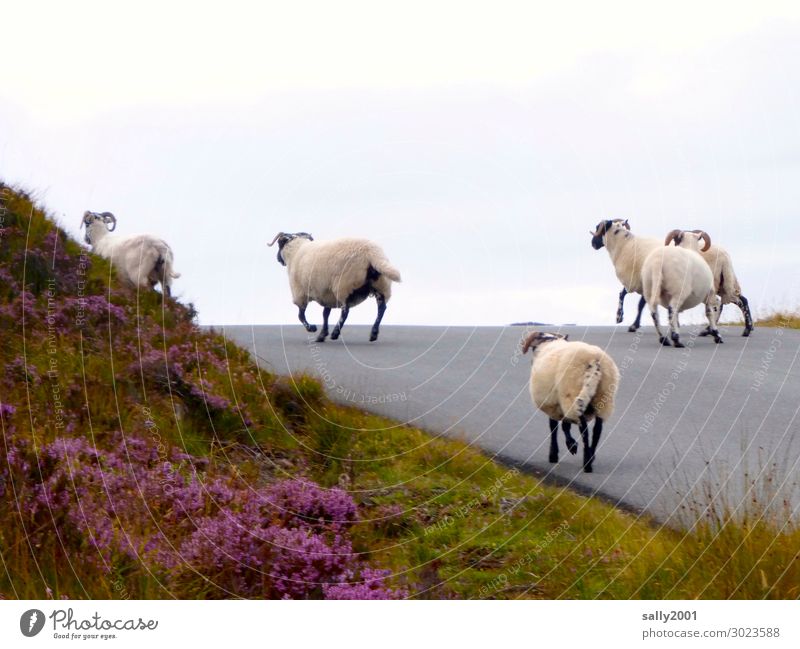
(726, 284)
(142, 259)
(627, 252)
(337, 274)
(572, 382)
(679, 279)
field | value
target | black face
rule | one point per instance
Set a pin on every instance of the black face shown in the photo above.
(286, 238)
(281, 243)
(599, 232)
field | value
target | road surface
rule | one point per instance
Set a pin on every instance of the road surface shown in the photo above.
(705, 419)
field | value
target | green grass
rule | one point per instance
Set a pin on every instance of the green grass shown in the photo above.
(446, 519)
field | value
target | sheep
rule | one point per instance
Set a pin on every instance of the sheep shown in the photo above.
(143, 260)
(627, 252)
(337, 274)
(726, 285)
(572, 382)
(678, 279)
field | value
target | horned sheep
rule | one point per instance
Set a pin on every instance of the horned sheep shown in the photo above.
(627, 252)
(726, 284)
(143, 260)
(572, 382)
(337, 274)
(678, 278)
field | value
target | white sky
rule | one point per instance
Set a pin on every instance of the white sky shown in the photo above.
(477, 142)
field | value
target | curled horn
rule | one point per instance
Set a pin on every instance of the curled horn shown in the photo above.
(536, 338)
(277, 236)
(529, 343)
(704, 236)
(672, 236)
(108, 217)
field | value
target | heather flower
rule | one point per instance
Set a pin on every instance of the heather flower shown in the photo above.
(370, 585)
(304, 503)
(7, 411)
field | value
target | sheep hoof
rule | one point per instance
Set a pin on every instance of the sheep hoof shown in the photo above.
(633, 329)
(373, 337)
(676, 341)
(311, 328)
(705, 332)
(553, 458)
(718, 340)
(588, 469)
(619, 317)
(746, 333)
(321, 338)
(573, 447)
(334, 335)
(664, 341)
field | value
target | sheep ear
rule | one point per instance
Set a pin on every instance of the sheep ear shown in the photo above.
(566, 336)
(625, 223)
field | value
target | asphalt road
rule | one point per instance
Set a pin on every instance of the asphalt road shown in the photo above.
(718, 419)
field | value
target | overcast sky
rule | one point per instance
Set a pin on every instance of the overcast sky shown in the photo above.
(476, 142)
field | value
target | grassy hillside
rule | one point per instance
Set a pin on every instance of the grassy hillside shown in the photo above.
(143, 457)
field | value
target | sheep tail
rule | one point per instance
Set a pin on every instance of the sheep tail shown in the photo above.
(591, 379)
(382, 265)
(654, 292)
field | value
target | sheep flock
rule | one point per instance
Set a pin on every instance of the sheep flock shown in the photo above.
(571, 382)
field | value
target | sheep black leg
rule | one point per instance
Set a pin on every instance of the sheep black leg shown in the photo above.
(381, 310)
(587, 449)
(712, 314)
(744, 305)
(598, 430)
(638, 322)
(620, 312)
(326, 312)
(301, 314)
(553, 441)
(661, 337)
(707, 330)
(572, 445)
(342, 318)
(674, 327)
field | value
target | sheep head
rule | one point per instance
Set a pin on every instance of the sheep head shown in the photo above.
(605, 227)
(283, 238)
(689, 239)
(91, 220)
(533, 340)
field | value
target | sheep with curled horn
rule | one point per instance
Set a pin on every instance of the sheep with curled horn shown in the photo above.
(572, 382)
(627, 252)
(141, 259)
(337, 274)
(726, 284)
(678, 278)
